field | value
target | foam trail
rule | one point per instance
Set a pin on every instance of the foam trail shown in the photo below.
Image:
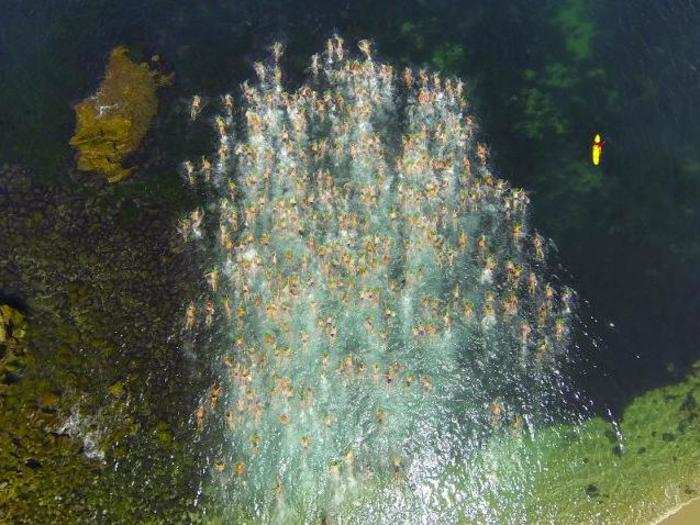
(379, 301)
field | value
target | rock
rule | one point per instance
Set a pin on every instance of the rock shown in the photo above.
(112, 123)
(12, 326)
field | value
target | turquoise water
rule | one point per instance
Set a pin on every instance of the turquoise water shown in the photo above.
(385, 303)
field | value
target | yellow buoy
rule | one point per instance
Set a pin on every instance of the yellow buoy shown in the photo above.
(597, 149)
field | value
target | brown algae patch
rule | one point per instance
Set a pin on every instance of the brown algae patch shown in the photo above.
(112, 123)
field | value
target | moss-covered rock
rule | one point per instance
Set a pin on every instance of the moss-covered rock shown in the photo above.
(12, 326)
(81, 394)
(12, 345)
(112, 123)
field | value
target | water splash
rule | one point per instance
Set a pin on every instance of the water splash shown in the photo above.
(383, 331)
(84, 429)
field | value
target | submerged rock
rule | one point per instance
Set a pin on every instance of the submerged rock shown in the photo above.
(96, 297)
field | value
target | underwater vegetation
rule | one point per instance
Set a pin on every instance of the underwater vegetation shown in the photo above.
(112, 123)
(378, 303)
(588, 475)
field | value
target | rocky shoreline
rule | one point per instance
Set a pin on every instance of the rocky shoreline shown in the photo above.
(100, 280)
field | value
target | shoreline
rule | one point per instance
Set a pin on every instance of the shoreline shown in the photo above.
(680, 514)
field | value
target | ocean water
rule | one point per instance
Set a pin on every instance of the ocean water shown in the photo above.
(110, 385)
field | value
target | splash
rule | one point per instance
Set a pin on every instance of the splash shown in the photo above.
(383, 331)
(81, 427)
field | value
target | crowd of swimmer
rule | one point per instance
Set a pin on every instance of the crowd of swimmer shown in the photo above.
(383, 299)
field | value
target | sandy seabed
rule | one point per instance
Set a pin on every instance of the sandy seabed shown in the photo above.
(686, 514)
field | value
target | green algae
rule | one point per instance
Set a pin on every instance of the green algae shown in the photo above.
(601, 472)
(575, 21)
(448, 58)
(111, 124)
(652, 464)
